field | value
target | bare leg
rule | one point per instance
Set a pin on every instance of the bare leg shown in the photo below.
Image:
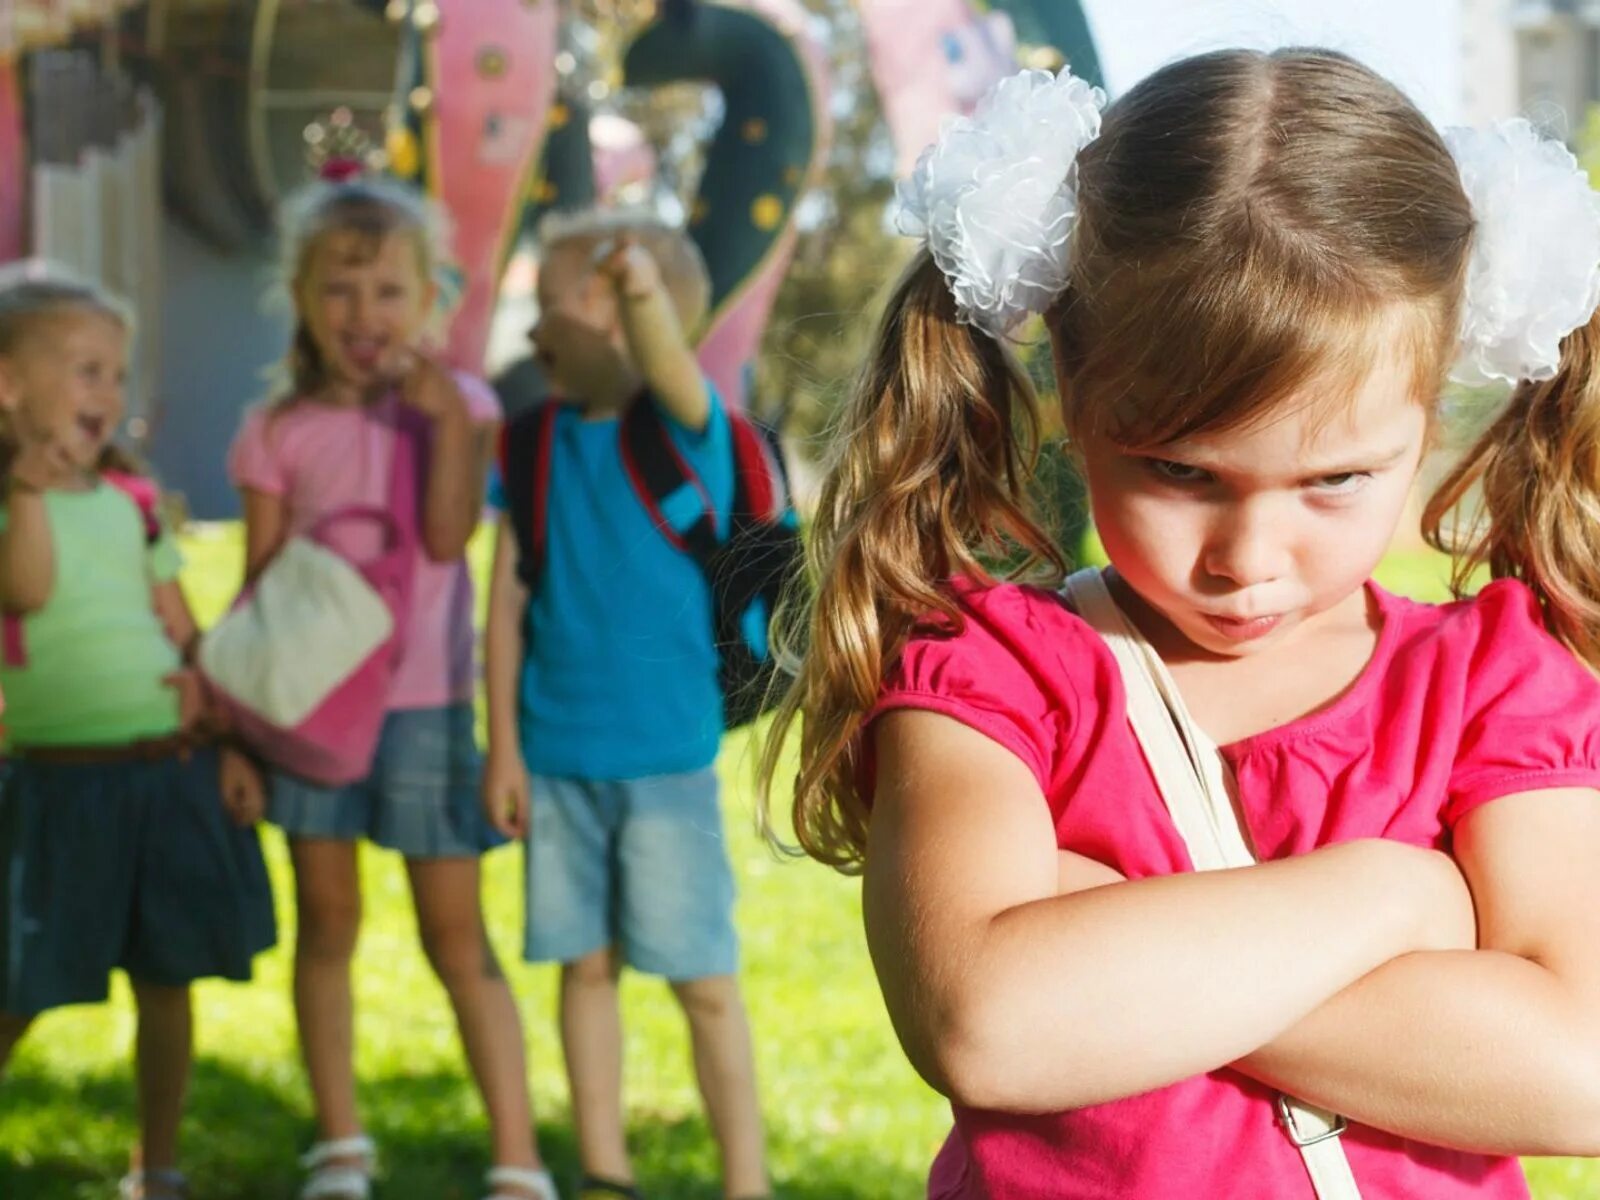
(591, 1040)
(328, 901)
(450, 921)
(724, 1066)
(165, 1043)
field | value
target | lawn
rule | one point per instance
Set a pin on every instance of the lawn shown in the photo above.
(847, 1119)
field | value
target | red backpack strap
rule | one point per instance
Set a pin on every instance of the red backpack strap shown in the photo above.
(657, 470)
(13, 646)
(527, 445)
(758, 478)
(145, 496)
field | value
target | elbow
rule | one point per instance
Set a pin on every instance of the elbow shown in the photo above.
(1573, 1127)
(26, 599)
(445, 543)
(981, 1063)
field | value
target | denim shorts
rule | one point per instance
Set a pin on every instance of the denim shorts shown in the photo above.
(420, 798)
(133, 866)
(636, 863)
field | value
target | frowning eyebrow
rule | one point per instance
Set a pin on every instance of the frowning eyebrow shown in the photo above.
(1378, 460)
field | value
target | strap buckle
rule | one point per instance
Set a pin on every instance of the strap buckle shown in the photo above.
(1303, 1135)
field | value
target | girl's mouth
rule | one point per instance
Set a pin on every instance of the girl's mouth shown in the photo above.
(364, 353)
(1243, 629)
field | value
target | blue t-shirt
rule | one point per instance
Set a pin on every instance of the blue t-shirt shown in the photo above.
(620, 675)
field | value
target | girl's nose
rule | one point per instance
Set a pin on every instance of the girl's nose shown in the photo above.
(1248, 546)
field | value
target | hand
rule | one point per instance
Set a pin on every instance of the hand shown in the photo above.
(425, 385)
(1078, 873)
(41, 461)
(507, 793)
(632, 269)
(191, 690)
(244, 791)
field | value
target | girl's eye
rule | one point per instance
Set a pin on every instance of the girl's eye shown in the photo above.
(1343, 483)
(1168, 471)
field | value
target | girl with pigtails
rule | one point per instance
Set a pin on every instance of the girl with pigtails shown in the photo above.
(1223, 872)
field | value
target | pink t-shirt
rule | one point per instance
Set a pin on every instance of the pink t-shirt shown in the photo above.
(322, 457)
(1459, 705)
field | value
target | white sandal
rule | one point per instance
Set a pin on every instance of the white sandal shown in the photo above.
(531, 1184)
(153, 1185)
(331, 1180)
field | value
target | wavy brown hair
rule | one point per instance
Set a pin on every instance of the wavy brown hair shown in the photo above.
(1536, 512)
(1251, 227)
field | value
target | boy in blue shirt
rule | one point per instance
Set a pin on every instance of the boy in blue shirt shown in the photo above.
(605, 714)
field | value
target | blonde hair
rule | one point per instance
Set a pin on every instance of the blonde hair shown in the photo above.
(1537, 516)
(372, 210)
(683, 268)
(33, 294)
(1248, 225)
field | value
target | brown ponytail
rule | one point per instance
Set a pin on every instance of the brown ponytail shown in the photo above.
(929, 473)
(1538, 520)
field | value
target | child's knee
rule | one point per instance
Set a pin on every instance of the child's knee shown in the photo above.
(460, 954)
(599, 969)
(711, 1000)
(328, 928)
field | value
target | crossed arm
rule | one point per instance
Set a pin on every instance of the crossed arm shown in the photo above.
(1009, 996)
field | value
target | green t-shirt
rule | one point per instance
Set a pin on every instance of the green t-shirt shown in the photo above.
(96, 651)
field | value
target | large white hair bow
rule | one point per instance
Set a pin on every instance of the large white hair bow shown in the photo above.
(996, 196)
(1534, 275)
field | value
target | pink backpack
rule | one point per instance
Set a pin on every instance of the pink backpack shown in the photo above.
(303, 661)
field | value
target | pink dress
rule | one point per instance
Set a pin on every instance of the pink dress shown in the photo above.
(1459, 705)
(318, 458)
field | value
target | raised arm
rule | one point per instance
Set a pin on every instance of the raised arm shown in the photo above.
(656, 339)
(1496, 1050)
(27, 551)
(1007, 996)
(457, 463)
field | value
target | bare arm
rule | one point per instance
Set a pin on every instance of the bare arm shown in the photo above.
(177, 620)
(1498, 1050)
(266, 527)
(27, 552)
(503, 643)
(507, 790)
(656, 340)
(458, 461)
(1007, 996)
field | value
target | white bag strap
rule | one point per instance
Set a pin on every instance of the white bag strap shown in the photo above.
(1192, 777)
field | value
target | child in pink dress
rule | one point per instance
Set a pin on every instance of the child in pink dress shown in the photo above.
(362, 263)
(1255, 279)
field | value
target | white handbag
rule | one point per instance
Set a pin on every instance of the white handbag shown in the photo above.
(1191, 774)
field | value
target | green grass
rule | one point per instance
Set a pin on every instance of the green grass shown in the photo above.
(847, 1119)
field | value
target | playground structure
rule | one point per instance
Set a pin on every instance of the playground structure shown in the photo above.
(159, 136)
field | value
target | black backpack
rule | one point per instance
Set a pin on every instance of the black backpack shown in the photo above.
(747, 571)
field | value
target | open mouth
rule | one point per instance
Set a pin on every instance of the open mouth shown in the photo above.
(364, 353)
(93, 427)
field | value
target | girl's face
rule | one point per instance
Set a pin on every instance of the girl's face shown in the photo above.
(365, 305)
(1240, 539)
(63, 385)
